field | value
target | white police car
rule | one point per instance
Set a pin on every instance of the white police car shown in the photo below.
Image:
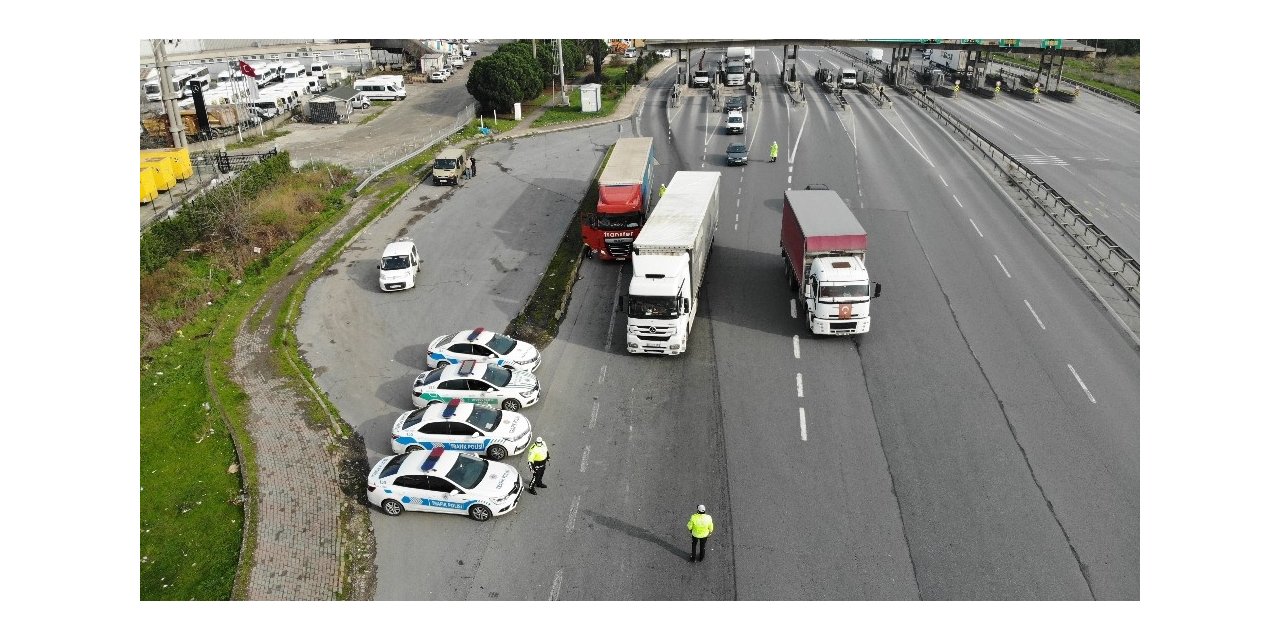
(486, 384)
(462, 426)
(399, 266)
(485, 346)
(444, 482)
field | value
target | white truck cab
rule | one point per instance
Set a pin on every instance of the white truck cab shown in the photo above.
(399, 265)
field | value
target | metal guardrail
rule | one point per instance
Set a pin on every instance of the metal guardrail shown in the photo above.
(1123, 269)
(459, 122)
(1102, 92)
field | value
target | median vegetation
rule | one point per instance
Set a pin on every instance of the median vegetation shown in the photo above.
(1120, 75)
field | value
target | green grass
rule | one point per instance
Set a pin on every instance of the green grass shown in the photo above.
(253, 141)
(189, 511)
(376, 109)
(1118, 75)
(572, 113)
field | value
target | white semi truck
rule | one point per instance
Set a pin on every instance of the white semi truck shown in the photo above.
(824, 253)
(668, 262)
(735, 67)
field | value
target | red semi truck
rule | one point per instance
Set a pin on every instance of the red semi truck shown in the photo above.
(824, 251)
(624, 202)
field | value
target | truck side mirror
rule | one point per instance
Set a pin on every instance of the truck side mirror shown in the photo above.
(877, 292)
(684, 302)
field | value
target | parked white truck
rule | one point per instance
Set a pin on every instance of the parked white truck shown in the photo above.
(668, 262)
(824, 252)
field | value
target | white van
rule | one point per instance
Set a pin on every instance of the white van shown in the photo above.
(380, 89)
(399, 266)
(294, 70)
(319, 68)
(398, 80)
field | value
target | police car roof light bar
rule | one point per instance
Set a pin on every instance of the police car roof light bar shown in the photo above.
(451, 408)
(475, 334)
(430, 462)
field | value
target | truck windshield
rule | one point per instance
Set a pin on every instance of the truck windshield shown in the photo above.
(447, 164)
(653, 307)
(619, 220)
(395, 263)
(841, 291)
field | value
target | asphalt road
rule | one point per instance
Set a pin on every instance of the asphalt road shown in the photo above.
(980, 443)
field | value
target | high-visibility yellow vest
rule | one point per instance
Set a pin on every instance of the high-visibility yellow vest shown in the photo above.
(700, 525)
(538, 452)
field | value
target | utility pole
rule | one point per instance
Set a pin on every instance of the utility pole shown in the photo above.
(176, 131)
(564, 95)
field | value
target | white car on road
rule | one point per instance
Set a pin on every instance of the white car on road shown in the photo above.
(399, 266)
(486, 346)
(462, 426)
(442, 481)
(486, 384)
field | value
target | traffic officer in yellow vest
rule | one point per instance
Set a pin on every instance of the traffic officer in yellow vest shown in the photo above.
(662, 190)
(700, 526)
(538, 457)
(773, 152)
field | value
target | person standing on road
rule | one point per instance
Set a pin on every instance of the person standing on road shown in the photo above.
(662, 190)
(473, 166)
(773, 152)
(538, 457)
(700, 527)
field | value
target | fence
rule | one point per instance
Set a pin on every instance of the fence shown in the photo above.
(1121, 268)
(375, 165)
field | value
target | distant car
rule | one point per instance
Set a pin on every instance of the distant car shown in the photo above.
(631, 53)
(443, 482)
(736, 154)
(399, 266)
(486, 384)
(486, 346)
(735, 103)
(360, 102)
(665, 53)
(701, 78)
(448, 69)
(438, 76)
(462, 426)
(817, 187)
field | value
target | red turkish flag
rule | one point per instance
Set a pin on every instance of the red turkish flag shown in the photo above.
(247, 70)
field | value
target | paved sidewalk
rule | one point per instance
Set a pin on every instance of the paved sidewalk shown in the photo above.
(298, 552)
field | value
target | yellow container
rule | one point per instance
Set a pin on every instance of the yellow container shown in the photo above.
(179, 158)
(147, 178)
(163, 172)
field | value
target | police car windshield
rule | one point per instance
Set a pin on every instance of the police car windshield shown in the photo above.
(432, 376)
(467, 472)
(501, 344)
(393, 465)
(394, 263)
(829, 291)
(484, 418)
(652, 307)
(414, 417)
(497, 376)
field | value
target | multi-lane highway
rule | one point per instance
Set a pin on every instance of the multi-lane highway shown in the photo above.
(980, 443)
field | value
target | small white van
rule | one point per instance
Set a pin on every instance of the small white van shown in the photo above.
(399, 265)
(380, 89)
(319, 68)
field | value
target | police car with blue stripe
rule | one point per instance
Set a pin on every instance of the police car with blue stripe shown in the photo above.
(485, 346)
(462, 426)
(471, 381)
(442, 481)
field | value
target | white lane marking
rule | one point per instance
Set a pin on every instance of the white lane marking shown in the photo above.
(975, 228)
(957, 200)
(735, 226)
(799, 385)
(595, 414)
(795, 346)
(793, 307)
(555, 585)
(1127, 212)
(603, 369)
(1017, 136)
(735, 218)
(1095, 189)
(804, 434)
(918, 150)
(1086, 389)
(944, 181)
(1034, 314)
(585, 451)
(573, 514)
(737, 203)
(613, 313)
(1006, 271)
(792, 156)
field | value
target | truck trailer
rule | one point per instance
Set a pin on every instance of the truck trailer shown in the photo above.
(669, 259)
(626, 184)
(824, 252)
